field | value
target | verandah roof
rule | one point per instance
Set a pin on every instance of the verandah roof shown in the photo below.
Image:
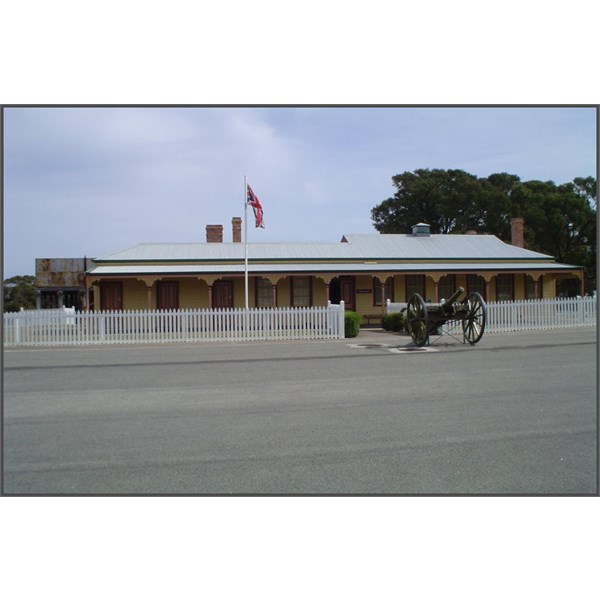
(256, 269)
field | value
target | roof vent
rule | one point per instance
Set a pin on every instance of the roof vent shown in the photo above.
(421, 230)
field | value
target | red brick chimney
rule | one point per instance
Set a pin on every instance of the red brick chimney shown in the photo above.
(471, 232)
(214, 234)
(516, 232)
(236, 226)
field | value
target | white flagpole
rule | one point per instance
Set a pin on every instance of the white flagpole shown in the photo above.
(246, 241)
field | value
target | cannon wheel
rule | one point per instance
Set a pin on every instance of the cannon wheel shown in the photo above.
(416, 320)
(474, 321)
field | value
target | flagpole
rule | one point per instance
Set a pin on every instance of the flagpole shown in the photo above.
(246, 241)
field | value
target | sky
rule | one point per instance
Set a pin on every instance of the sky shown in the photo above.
(91, 181)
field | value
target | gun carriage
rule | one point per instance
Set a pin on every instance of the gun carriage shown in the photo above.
(424, 320)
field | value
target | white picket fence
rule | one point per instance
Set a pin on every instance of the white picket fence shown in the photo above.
(526, 315)
(58, 327)
(529, 315)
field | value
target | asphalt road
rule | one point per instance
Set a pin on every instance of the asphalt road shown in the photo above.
(516, 414)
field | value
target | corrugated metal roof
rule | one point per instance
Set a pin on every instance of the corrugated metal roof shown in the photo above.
(226, 251)
(186, 269)
(357, 247)
(438, 246)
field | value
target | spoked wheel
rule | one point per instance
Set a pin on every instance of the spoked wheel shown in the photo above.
(474, 322)
(416, 320)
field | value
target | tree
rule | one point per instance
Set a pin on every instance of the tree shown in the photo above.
(19, 292)
(560, 221)
(585, 187)
(443, 199)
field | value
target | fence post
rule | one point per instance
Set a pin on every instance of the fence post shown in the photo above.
(17, 333)
(342, 333)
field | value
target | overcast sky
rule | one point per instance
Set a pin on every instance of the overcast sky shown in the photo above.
(93, 181)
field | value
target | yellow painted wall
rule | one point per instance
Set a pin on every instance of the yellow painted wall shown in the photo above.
(134, 295)
(519, 286)
(364, 302)
(192, 293)
(399, 288)
(284, 292)
(239, 293)
(319, 292)
(549, 286)
(429, 290)
(202, 297)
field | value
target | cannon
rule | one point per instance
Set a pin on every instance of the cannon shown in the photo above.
(425, 319)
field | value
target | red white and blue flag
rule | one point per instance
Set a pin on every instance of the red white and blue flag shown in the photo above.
(254, 202)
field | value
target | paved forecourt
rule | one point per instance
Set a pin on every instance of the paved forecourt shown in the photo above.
(515, 414)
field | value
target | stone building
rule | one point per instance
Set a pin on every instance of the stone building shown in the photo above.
(61, 282)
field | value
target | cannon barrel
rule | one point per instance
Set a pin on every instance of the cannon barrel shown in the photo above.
(453, 298)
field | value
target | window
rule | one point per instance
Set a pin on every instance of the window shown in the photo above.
(167, 295)
(389, 291)
(446, 287)
(476, 283)
(222, 294)
(264, 292)
(530, 288)
(301, 291)
(415, 284)
(505, 287)
(111, 295)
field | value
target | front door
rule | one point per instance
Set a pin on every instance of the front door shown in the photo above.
(342, 288)
(167, 295)
(222, 294)
(347, 292)
(111, 295)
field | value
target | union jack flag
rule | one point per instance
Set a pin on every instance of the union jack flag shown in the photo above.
(254, 202)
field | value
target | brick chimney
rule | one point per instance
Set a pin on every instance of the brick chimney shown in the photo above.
(214, 234)
(516, 232)
(471, 232)
(236, 227)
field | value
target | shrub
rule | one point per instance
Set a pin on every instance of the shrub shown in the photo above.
(393, 322)
(351, 324)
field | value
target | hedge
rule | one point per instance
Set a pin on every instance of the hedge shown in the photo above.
(351, 324)
(393, 322)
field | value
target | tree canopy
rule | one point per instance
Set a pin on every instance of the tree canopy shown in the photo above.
(19, 292)
(560, 220)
